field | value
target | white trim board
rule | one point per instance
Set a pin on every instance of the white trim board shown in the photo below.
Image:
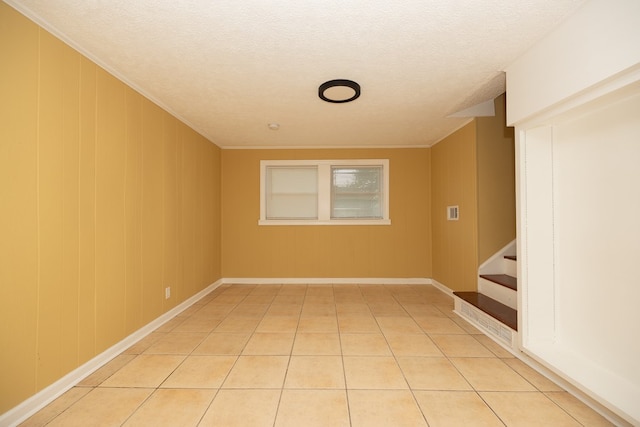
(27, 408)
(565, 363)
(326, 281)
(442, 287)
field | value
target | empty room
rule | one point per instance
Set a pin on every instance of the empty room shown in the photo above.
(326, 213)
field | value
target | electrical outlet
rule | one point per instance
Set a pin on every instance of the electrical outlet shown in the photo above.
(167, 292)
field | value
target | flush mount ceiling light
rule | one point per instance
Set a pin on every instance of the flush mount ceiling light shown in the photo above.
(339, 91)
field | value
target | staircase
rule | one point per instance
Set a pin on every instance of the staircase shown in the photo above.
(493, 308)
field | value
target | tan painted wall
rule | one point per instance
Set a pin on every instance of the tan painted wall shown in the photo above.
(402, 249)
(473, 168)
(496, 182)
(106, 199)
(453, 178)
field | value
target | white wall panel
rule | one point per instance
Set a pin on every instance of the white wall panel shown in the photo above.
(599, 41)
(574, 99)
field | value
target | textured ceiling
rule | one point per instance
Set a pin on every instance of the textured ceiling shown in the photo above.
(228, 68)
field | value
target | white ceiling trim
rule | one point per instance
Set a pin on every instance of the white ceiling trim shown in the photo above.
(322, 147)
(484, 109)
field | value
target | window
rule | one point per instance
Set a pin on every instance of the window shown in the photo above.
(356, 192)
(324, 192)
(292, 192)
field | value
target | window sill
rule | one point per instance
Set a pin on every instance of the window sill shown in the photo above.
(329, 222)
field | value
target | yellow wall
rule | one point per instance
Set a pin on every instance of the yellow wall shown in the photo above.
(473, 168)
(453, 175)
(496, 182)
(402, 249)
(106, 200)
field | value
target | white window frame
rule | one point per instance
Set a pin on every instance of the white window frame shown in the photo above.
(324, 192)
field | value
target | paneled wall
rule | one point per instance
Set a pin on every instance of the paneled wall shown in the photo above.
(454, 183)
(474, 169)
(106, 199)
(496, 182)
(402, 249)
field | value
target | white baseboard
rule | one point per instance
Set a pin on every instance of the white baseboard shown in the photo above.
(442, 287)
(24, 410)
(326, 281)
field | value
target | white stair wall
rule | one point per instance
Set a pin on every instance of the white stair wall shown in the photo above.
(498, 264)
(495, 264)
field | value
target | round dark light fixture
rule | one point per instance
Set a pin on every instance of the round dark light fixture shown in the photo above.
(339, 91)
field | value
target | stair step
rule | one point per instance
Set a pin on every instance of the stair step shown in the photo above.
(502, 279)
(505, 315)
(511, 257)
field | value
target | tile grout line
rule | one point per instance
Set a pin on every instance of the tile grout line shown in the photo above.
(411, 390)
(178, 366)
(286, 373)
(217, 392)
(344, 369)
(375, 294)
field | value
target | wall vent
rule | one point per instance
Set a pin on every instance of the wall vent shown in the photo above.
(489, 324)
(452, 213)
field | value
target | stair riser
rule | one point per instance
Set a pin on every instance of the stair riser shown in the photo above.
(510, 267)
(485, 323)
(499, 293)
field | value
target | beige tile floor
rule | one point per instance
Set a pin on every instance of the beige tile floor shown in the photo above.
(298, 355)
